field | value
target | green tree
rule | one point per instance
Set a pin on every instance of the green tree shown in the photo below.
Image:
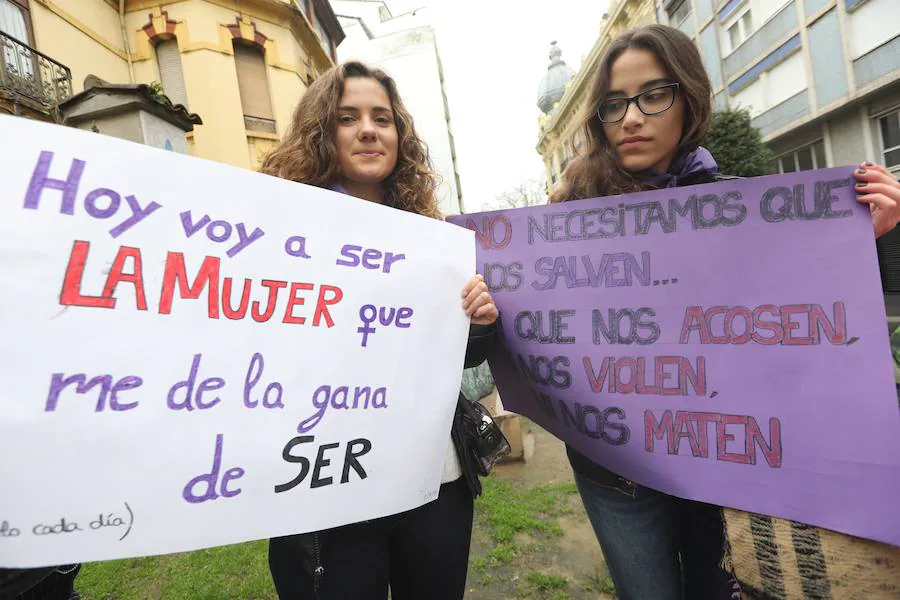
(737, 145)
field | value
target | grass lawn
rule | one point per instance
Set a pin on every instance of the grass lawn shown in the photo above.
(240, 571)
(515, 526)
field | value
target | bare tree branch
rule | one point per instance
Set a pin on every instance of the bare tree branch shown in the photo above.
(529, 193)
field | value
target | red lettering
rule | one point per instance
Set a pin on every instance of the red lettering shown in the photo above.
(789, 326)
(235, 315)
(837, 333)
(273, 286)
(703, 419)
(730, 316)
(71, 288)
(322, 304)
(620, 386)
(772, 450)
(654, 430)
(486, 234)
(697, 379)
(136, 278)
(767, 325)
(681, 427)
(773, 326)
(596, 380)
(507, 232)
(694, 321)
(723, 437)
(175, 272)
(641, 388)
(483, 235)
(293, 300)
(685, 430)
(714, 312)
(662, 376)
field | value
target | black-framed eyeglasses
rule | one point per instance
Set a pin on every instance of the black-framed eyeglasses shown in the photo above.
(651, 102)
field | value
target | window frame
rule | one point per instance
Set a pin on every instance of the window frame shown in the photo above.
(156, 44)
(25, 7)
(737, 20)
(324, 36)
(895, 111)
(674, 8)
(794, 153)
(256, 123)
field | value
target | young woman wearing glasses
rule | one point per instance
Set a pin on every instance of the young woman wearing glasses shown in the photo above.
(648, 111)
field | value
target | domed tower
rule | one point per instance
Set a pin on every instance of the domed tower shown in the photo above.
(553, 84)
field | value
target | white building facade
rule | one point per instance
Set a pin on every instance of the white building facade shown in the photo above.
(821, 77)
(406, 48)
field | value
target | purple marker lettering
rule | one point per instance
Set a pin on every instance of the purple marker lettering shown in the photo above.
(138, 214)
(210, 479)
(90, 203)
(296, 246)
(370, 258)
(187, 222)
(404, 312)
(367, 321)
(244, 239)
(40, 181)
(226, 231)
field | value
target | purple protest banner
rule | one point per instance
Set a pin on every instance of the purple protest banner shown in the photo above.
(724, 343)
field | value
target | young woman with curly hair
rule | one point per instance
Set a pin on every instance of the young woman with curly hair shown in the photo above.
(352, 134)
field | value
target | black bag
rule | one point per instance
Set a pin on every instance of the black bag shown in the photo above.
(481, 436)
(49, 583)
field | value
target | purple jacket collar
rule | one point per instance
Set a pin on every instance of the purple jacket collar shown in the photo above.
(691, 163)
(337, 187)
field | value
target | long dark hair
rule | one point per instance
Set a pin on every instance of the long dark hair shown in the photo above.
(308, 153)
(597, 171)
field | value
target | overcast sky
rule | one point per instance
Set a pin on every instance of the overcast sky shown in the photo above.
(494, 53)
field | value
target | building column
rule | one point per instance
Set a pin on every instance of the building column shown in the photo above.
(868, 142)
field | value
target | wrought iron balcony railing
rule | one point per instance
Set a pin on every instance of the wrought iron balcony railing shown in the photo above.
(27, 73)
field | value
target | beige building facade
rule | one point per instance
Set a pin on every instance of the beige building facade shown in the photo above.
(241, 65)
(559, 138)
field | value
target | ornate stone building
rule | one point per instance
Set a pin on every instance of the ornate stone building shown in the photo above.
(561, 93)
(242, 65)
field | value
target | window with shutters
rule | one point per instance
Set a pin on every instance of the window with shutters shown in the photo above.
(171, 76)
(254, 87)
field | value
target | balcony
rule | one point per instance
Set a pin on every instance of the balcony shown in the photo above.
(30, 78)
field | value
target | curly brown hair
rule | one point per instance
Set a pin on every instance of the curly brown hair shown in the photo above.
(308, 154)
(598, 171)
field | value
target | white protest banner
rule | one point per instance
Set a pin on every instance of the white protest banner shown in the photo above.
(196, 355)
